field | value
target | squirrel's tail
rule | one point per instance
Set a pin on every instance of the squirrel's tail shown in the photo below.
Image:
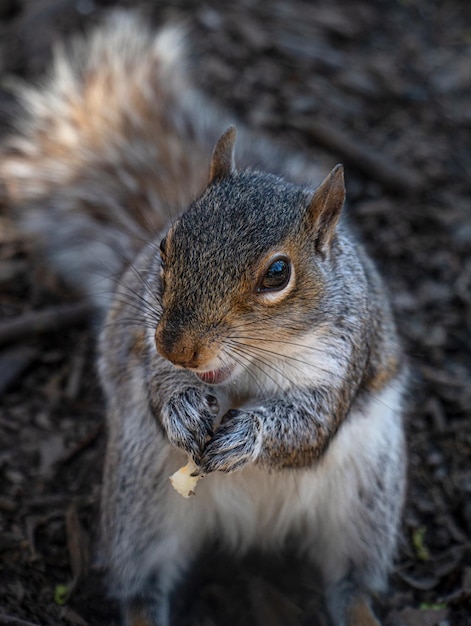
(110, 146)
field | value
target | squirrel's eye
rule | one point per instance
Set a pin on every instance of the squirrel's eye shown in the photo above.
(162, 251)
(276, 277)
(162, 246)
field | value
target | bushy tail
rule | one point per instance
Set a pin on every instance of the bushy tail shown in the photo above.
(111, 145)
(97, 164)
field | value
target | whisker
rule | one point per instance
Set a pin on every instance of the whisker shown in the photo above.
(137, 273)
(281, 341)
(130, 323)
(256, 360)
(255, 349)
(238, 359)
(136, 302)
(393, 384)
(136, 305)
(252, 363)
(139, 297)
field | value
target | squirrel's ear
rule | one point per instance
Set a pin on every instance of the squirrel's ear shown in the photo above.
(325, 207)
(222, 161)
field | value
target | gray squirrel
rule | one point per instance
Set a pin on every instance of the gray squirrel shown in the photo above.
(248, 330)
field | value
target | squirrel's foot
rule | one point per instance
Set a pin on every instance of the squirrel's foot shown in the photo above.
(188, 421)
(350, 605)
(360, 614)
(234, 444)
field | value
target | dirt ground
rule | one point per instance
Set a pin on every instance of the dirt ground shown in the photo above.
(382, 86)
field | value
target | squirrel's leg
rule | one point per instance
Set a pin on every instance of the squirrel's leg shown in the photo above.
(144, 584)
(151, 579)
(359, 525)
(148, 538)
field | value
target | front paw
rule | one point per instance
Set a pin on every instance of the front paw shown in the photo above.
(235, 444)
(188, 420)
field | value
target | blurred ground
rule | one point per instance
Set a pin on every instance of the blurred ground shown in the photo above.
(382, 86)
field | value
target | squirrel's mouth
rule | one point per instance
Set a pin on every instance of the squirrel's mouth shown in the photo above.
(215, 377)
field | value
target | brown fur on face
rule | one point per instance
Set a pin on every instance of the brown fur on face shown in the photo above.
(193, 338)
(264, 217)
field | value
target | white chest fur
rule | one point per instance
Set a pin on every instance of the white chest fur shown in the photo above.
(319, 506)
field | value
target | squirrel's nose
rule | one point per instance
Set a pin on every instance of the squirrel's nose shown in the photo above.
(188, 360)
(176, 349)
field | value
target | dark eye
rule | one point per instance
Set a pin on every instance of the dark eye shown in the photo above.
(162, 246)
(276, 277)
(162, 250)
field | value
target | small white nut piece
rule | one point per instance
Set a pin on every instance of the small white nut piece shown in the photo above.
(182, 480)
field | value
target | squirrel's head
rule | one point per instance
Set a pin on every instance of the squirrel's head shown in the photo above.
(244, 267)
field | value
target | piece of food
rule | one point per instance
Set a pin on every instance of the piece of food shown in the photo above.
(182, 480)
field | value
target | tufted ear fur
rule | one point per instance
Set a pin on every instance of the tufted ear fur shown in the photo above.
(222, 161)
(325, 206)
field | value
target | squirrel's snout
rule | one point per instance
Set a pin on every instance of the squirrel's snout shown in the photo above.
(177, 349)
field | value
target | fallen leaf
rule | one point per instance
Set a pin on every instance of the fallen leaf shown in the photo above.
(418, 541)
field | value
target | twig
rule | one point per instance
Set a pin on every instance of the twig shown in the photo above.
(37, 322)
(374, 165)
(8, 620)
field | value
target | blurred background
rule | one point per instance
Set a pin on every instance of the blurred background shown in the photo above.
(383, 86)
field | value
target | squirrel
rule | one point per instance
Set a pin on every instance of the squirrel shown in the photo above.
(245, 326)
